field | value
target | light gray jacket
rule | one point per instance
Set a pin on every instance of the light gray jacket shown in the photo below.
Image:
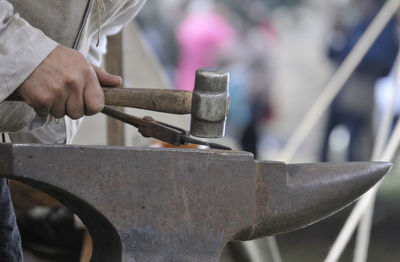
(29, 32)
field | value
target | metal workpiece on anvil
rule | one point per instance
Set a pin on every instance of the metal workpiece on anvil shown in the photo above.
(143, 204)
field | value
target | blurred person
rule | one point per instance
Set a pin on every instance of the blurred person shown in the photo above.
(248, 61)
(257, 44)
(201, 36)
(240, 111)
(158, 22)
(385, 89)
(352, 107)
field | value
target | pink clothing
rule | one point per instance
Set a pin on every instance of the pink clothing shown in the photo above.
(200, 38)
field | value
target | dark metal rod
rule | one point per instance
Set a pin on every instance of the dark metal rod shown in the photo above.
(129, 119)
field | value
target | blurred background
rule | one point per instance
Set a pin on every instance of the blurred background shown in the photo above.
(280, 55)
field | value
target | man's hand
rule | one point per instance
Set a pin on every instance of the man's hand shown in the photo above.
(66, 84)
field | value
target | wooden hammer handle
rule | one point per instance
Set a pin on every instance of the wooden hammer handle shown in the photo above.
(161, 100)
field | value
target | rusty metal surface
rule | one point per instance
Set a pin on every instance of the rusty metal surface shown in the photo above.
(183, 205)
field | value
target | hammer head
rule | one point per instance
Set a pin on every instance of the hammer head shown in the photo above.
(210, 103)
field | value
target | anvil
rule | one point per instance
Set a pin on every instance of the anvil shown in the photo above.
(142, 204)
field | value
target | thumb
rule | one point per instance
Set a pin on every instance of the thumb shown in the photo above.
(107, 79)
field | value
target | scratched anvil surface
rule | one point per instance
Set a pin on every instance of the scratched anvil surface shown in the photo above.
(144, 204)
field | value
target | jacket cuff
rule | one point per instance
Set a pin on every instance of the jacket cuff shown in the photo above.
(23, 49)
(41, 130)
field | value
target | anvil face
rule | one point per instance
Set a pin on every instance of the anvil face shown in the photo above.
(183, 205)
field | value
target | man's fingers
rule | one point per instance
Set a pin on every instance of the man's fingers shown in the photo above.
(75, 107)
(93, 96)
(42, 111)
(107, 79)
(65, 83)
(58, 108)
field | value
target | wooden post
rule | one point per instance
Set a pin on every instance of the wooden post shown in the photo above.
(115, 128)
(114, 65)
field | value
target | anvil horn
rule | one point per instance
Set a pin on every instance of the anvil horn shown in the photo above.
(143, 204)
(309, 192)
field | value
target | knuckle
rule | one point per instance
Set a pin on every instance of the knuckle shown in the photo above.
(44, 101)
(86, 69)
(71, 81)
(56, 91)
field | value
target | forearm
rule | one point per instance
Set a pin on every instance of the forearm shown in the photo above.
(29, 52)
(22, 49)
(14, 116)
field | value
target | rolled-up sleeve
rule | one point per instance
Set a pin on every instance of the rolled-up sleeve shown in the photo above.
(22, 49)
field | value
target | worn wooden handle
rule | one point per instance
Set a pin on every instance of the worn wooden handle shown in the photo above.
(161, 100)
